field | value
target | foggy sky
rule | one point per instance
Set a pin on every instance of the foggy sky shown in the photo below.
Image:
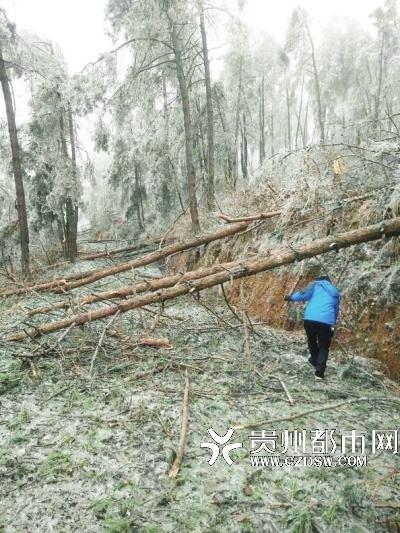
(78, 26)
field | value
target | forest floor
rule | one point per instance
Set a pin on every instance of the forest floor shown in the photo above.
(87, 443)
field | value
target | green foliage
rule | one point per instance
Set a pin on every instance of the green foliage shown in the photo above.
(24, 416)
(300, 520)
(119, 525)
(8, 231)
(331, 515)
(8, 381)
(100, 507)
(60, 464)
(354, 498)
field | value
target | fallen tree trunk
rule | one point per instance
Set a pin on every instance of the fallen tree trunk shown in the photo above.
(47, 285)
(272, 214)
(161, 254)
(251, 218)
(64, 284)
(155, 343)
(138, 288)
(246, 268)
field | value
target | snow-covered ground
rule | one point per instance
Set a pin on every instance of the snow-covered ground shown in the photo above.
(91, 453)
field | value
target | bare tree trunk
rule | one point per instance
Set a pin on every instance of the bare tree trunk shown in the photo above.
(226, 143)
(289, 122)
(189, 144)
(141, 203)
(262, 119)
(210, 117)
(244, 150)
(305, 127)
(203, 150)
(321, 120)
(67, 209)
(272, 132)
(298, 114)
(73, 246)
(176, 184)
(69, 227)
(138, 197)
(60, 229)
(168, 170)
(70, 214)
(17, 170)
(237, 125)
(166, 112)
(69, 221)
(377, 96)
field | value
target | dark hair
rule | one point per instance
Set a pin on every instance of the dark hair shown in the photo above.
(322, 278)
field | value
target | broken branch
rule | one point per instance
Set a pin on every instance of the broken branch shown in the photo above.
(312, 411)
(185, 424)
(250, 218)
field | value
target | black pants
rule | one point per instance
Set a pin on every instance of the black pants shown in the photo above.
(319, 338)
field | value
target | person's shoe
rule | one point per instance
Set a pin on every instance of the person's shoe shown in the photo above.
(309, 361)
(319, 378)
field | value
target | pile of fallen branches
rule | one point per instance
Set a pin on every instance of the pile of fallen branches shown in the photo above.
(137, 247)
(74, 281)
(172, 287)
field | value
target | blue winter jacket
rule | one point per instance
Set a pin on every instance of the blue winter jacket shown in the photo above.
(323, 301)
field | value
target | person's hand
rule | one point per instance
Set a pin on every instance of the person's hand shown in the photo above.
(287, 298)
(332, 331)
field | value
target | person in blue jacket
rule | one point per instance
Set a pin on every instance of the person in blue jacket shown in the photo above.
(320, 317)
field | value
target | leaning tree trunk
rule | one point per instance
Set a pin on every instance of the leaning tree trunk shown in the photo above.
(17, 170)
(187, 121)
(210, 117)
(246, 268)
